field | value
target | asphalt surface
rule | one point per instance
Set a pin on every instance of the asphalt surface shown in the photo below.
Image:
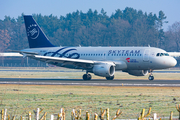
(58, 70)
(93, 82)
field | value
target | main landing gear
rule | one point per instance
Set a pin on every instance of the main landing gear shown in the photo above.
(151, 77)
(87, 76)
(110, 78)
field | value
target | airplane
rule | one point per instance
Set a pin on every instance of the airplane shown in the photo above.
(101, 61)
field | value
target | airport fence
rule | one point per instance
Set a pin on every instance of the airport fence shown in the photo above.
(76, 115)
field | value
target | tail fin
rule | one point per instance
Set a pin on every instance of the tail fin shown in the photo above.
(36, 37)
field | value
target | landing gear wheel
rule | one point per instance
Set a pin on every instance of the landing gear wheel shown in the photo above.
(87, 77)
(110, 78)
(151, 77)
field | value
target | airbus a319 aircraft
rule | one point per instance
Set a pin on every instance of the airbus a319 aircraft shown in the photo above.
(102, 61)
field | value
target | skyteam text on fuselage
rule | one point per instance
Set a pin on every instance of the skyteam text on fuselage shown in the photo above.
(102, 61)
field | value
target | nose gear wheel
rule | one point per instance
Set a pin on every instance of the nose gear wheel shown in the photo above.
(151, 77)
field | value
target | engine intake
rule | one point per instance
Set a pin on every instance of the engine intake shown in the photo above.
(104, 70)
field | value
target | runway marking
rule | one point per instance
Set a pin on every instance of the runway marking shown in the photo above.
(91, 84)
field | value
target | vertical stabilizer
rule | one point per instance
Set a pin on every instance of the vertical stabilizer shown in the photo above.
(36, 37)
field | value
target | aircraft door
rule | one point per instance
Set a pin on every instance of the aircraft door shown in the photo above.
(146, 55)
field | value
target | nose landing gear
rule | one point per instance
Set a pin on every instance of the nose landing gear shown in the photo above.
(151, 77)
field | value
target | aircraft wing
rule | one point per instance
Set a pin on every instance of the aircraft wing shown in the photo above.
(78, 63)
(61, 60)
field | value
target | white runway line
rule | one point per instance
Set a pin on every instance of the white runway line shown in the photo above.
(91, 84)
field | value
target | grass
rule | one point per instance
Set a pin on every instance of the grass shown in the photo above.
(20, 99)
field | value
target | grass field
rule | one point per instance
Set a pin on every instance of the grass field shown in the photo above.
(20, 99)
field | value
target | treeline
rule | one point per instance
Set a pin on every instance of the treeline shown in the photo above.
(127, 27)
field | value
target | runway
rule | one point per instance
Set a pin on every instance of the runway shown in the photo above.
(93, 82)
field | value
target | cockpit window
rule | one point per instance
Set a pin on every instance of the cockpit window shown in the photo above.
(162, 54)
(166, 54)
(157, 54)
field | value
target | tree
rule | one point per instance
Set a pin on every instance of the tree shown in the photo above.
(130, 15)
(174, 34)
(103, 12)
(119, 33)
(118, 14)
(143, 34)
(127, 27)
(161, 21)
(4, 40)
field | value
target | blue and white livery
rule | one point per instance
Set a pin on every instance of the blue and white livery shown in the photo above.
(102, 61)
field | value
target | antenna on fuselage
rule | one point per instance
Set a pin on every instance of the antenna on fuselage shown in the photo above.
(149, 45)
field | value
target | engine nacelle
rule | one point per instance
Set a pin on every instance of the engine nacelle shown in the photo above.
(104, 70)
(137, 72)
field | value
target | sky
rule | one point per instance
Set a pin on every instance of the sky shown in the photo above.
(15, 8)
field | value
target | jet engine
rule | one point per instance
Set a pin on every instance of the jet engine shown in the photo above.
(137, 72)
(104, 69)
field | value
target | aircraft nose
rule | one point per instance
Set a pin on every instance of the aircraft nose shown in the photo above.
(172, 62)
